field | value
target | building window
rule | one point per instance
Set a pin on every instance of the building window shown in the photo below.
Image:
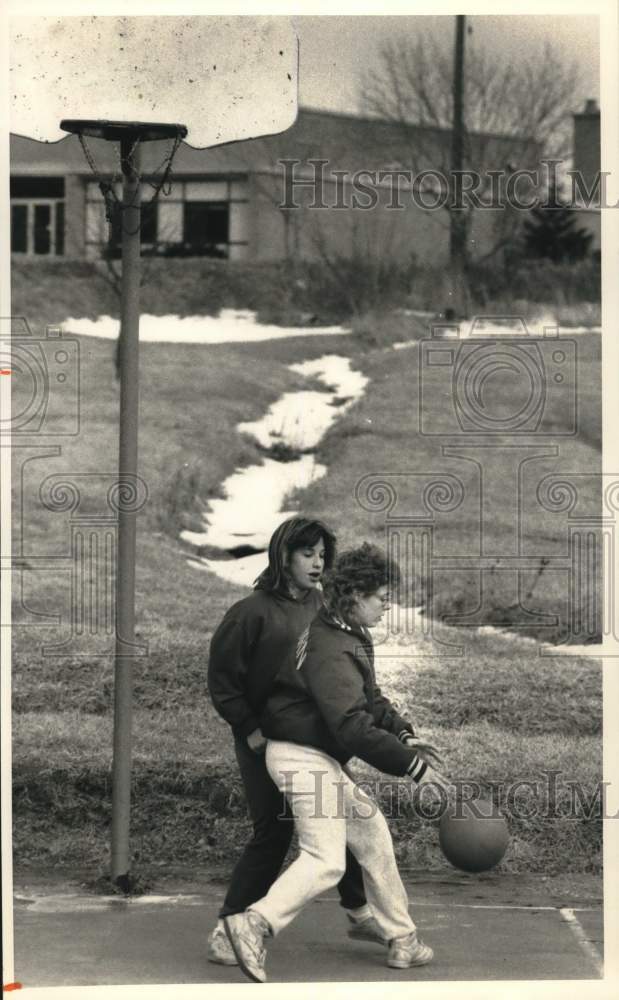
(205, 228)
(59, 228)
(199, 218)
(19, 228)
(148, 230)
(37, 215)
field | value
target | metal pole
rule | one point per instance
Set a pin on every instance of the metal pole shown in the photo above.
(127, 470)
(458, 227)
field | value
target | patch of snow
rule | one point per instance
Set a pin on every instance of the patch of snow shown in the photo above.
(241, 572)
(566, 331)
(406, 633)
(300, 419)
(515, 326)
(510, 635)
(231, 326)
(251, 509)
(253, 497)
(422, 313)
(592, 649)
(334, 370)
(494, 327)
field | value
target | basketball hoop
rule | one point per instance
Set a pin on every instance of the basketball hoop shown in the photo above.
(130, 136)
(112, 73)
(143, 131)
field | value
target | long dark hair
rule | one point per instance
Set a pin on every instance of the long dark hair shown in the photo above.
(294, 533)
(362, 570)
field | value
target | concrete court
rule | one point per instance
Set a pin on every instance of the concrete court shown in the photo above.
(479, 931)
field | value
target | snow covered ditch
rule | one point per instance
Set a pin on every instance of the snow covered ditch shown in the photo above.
(255, 497)
(253, 505)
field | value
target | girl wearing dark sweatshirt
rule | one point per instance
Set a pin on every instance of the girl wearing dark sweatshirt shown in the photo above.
(323, 710)
(256, 638)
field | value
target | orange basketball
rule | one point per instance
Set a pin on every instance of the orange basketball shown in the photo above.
(473, 836)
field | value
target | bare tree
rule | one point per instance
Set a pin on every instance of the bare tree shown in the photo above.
(530, 100)
(514, 112)
(303, 233)
(365, 264)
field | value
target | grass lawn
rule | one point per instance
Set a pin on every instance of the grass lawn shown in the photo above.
(501, 712)
(381, 437)
(188, 805)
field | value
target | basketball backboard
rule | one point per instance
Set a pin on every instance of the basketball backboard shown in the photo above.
(225, 78)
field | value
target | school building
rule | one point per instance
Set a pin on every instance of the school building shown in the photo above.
(229, 201)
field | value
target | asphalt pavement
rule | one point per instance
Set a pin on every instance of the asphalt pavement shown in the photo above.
(480, 929)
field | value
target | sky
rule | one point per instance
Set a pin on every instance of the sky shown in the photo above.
(334, 49)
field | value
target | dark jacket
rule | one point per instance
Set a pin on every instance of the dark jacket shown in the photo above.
(256, 637)
(329, 699)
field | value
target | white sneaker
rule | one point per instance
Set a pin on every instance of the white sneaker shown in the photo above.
(366, 930)
(405, 952)
(246, 933)
(219, 949)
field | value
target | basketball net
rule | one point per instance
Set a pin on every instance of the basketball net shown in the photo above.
(107, 186)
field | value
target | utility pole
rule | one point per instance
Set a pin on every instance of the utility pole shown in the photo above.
(458, 219)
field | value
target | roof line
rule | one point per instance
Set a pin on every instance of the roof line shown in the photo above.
(349, 116)
(352, 116)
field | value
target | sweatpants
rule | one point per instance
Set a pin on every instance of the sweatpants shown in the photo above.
(263, 857)
(332, 813)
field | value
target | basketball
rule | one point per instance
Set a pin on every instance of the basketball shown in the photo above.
(473, 836)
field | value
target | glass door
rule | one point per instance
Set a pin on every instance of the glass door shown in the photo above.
(37, 227)
(42, 236)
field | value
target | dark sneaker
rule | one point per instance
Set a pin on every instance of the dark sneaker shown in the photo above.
(406, 952)
(219, 949)
(246, 932)
(367, 930)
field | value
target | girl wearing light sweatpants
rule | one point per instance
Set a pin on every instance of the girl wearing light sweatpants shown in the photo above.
(321, 711)
(331, 812)
(257, 632)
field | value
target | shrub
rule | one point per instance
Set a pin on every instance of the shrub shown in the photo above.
(313, 292)
(537, 281)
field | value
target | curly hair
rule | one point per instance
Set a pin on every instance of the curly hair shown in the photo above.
(363, 570)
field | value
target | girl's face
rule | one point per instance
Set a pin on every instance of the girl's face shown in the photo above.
(368, 610)
(305, 566)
